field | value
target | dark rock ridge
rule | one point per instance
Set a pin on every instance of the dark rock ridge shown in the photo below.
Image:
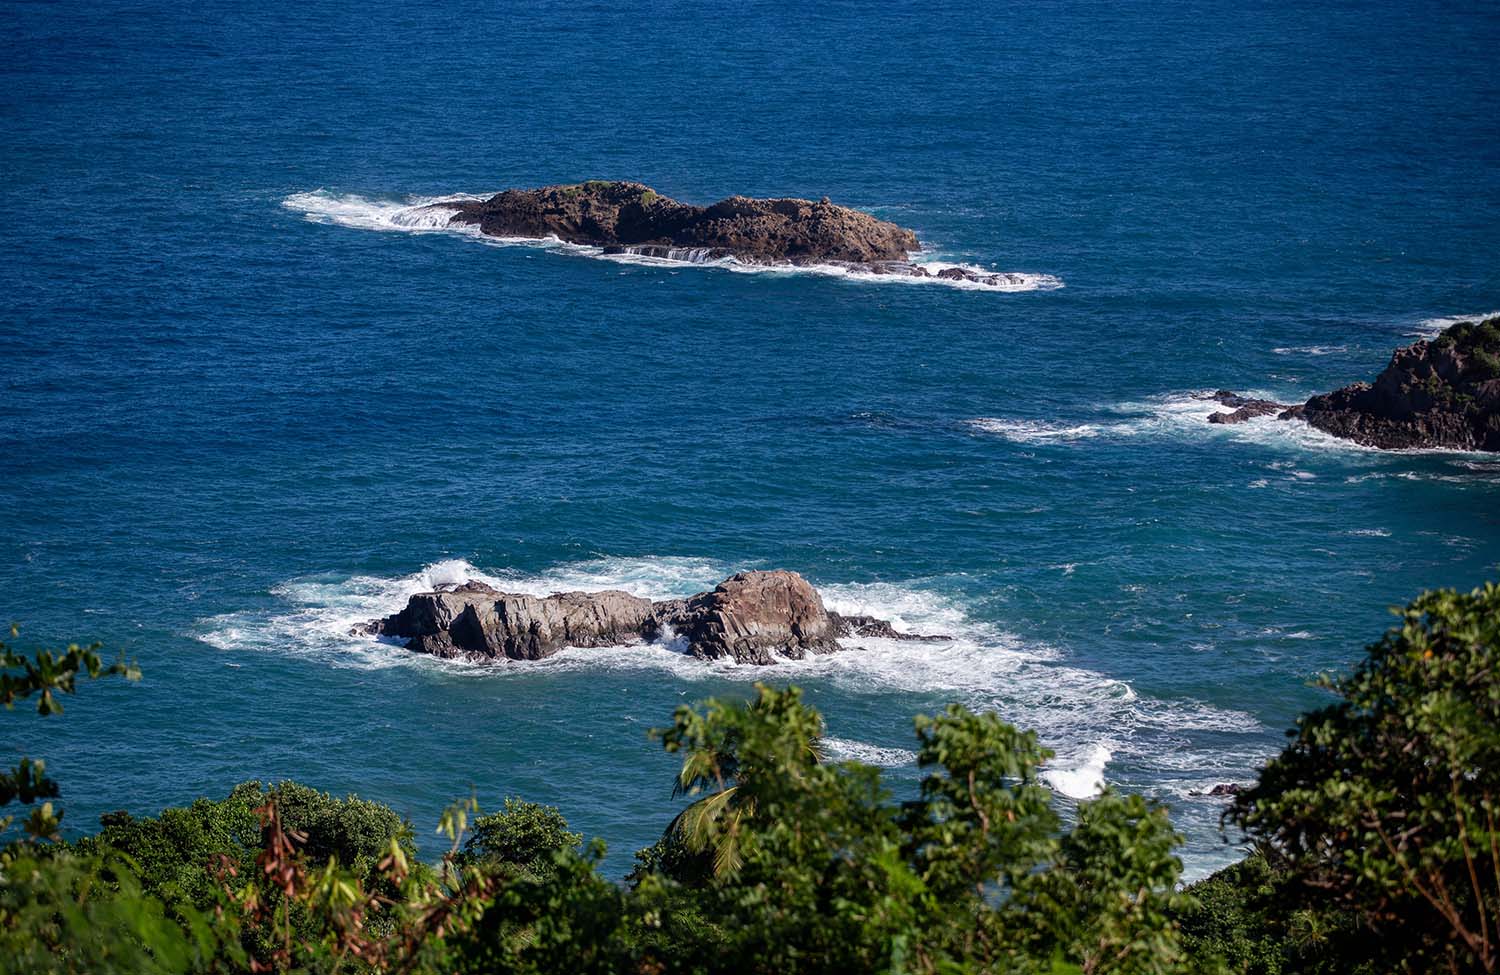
(1440, 393)
(632, 218)
(1244, 409)
(752, 617)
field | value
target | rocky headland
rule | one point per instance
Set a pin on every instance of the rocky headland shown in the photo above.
(752, 617)
(1439, 393)
(623, 217)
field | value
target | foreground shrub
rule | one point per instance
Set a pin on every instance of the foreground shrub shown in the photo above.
(1384, 805)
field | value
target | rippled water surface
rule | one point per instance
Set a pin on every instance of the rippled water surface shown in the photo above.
(245, 406)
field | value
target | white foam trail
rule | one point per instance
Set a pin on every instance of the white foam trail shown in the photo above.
(845, 750)
(1178, 416)
(1184, 415)
(1429, 328)
(1034, 431)
(418, 215)
(1083, 780)
(413, 215)
(1311, 350)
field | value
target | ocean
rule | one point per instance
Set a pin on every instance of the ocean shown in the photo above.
(249, 399)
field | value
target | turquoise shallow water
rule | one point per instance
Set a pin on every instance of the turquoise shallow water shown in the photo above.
(240, 416)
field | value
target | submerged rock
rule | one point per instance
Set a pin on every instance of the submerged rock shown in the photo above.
(752, 617)
(632, 218)
(1244, 409)
(870, 626)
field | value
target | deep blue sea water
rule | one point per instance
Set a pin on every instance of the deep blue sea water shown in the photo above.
(237, 420)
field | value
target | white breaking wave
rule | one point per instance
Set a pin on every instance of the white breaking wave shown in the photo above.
(1429, 328)
(424, 215)
(1184, 416)
(1034, 431)
(1083, 780)
(1178, 416)
(1074, 710)
(1311, 350)
(844, 750)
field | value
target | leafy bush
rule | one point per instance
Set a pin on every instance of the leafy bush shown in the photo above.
(523, 835)
(47, 673)
(356, 832)
(172, 853)
(1387, 803)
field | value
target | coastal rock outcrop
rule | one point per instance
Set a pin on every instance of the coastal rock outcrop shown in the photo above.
(476, 621)
(620, 214)
(752, 617)
(625, 217)
(1439, 393)
(1244, 408)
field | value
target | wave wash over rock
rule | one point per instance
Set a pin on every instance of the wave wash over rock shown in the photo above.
(632, 218)
(751, 617)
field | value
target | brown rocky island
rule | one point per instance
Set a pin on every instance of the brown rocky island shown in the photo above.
(632, 218)
(752, 617)
(1439, 393)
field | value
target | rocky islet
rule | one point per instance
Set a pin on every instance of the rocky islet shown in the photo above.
(1441, 393)
(632, 218)
(751, 618)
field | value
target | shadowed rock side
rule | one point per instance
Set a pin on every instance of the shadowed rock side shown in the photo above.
(633, 218)
(753, 617)
(1442, 393)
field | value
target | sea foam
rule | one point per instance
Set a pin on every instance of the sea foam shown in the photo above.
(1075, 710)
(1184, 416)
(426, 215)
(1429, 328)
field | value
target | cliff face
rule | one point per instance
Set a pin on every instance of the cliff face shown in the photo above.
(1438, 393)
(632, 215)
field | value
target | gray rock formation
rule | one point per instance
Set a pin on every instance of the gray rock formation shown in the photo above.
(752, 617)
(632, 218)
(476, 621)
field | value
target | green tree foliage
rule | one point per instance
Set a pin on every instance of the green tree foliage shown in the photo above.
(523, 835)
(47, 674)
(1233, 922)
(85, 915)
(351, 831)
(1385, 803)
(1120, 879)
(826, 874)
